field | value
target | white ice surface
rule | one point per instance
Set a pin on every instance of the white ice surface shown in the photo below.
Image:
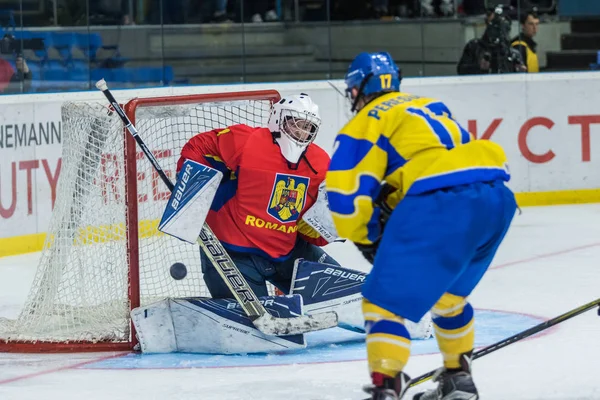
(549, 264)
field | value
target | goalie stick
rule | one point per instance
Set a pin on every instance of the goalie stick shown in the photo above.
(519, 336)
(264, 322)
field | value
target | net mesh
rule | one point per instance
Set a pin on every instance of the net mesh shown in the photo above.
(81, 288)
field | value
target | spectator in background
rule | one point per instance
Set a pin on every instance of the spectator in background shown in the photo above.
(220, 11)
(109, 12)
(11, 79)
(260, 10)
(209, 11)
(474, 7)
(173, 11)
(441, 8)
(380, 7)
(525, 44)
(403, 8)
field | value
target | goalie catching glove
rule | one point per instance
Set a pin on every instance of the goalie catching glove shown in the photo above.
(319, 216)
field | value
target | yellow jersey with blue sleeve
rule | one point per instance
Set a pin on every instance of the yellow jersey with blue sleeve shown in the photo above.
(415, 145)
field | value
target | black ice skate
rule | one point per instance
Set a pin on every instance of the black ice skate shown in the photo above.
(453, 384)
(386, 388)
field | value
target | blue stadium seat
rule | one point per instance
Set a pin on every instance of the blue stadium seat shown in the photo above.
(63, 42)
(596, 66)
(47, 38)
(141, 75)
(169, 75)
(54, 70)
(36, 69)
(80, 70)
(89, 44)
(54, 64)
(36, 74)
(152, 75)
(102, 73)
(144, 75)
(21, 34)
(57, 75)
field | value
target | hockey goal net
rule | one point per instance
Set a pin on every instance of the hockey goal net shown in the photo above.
(103, 254)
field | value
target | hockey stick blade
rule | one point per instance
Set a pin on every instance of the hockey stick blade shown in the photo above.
(263, 321)
(519, 336)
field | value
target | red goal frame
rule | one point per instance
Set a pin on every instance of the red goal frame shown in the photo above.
(132, 221)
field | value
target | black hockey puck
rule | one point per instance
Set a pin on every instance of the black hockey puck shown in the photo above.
(178, 271)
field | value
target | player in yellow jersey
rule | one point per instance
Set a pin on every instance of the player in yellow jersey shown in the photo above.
(430, 230)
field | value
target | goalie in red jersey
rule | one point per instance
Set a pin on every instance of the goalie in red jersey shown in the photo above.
(271, 177)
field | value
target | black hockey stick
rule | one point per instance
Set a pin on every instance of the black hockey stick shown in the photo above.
(519, 336)
(264, 322)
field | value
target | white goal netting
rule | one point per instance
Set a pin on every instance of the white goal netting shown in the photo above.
(82, 289)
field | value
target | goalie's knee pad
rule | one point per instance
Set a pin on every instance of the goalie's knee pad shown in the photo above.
(326, 287)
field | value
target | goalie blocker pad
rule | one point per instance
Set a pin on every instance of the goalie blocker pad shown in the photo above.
(213, 326)
(190, 201)
(326, 287)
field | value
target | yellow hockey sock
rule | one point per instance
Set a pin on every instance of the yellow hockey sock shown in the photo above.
(453, 321)
(388, 340)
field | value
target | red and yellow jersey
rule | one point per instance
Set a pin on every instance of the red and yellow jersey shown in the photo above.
(261, 199)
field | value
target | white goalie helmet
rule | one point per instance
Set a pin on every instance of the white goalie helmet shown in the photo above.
(294, 122)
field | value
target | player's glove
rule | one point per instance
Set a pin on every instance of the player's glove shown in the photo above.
(385, 210)
(368, 250)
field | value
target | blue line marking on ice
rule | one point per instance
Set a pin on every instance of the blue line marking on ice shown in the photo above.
(333, 345)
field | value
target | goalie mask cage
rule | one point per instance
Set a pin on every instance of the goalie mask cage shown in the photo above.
(103, 254)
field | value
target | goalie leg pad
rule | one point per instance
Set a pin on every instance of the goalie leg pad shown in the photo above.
(285, 270)
(154, 327)
(326, 287)
(212, 326)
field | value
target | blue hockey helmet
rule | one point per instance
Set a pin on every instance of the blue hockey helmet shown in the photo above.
(372, 73)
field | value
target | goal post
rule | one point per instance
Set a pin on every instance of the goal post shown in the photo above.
(103, 254)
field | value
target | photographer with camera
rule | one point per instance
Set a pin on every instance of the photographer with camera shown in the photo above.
(17, 79)
(492, 54)
(11, 78)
